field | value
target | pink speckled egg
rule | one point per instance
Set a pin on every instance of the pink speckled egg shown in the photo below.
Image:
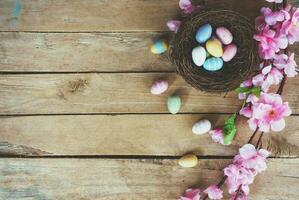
(224, 35)
(159, 87)
(229, 52)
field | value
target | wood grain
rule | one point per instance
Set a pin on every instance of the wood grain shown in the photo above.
(83, 52)
(80, 52)
(112, 93)
(131, 135)
(101, 15)
(97, 179)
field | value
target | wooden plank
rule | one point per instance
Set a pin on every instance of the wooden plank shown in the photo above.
(111, 93)
(82, 52)
(132, 179)
(101, 15)
(130, 135)
(75, 52)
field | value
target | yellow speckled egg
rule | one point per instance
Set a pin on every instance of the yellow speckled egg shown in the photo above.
(188, 161)
(214, 47)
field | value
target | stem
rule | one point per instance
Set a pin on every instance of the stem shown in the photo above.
(253, 135)
(259, 140)
(238, 191)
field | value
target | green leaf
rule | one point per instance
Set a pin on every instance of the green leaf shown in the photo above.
(227, 139)
(242, 90)
(256, 91)
(229, 129)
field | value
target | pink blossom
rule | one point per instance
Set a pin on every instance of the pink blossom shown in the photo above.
(214, 192)
(269, 76)
(272, 17)
(275, 1)
(246, 112)
(238, 175)
(191, 194)
(253, 159)
(290, 27)
(268, 112)
(187, 7)
(286, 63)
(174, 25)
(270, 43)
(217, 135)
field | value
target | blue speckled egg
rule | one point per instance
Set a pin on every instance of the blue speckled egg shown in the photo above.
(213, 64)
(159, 47)
(204, 33)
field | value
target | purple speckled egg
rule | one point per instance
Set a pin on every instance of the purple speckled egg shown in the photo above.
(224, 35)
(229, 52)
(159, 87)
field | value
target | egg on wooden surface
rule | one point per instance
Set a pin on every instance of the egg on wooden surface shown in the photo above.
(174, 104)
(201, 127)
(188, 161)
(159, 47)
(159, 87)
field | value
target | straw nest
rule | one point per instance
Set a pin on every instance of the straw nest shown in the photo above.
(233, 72)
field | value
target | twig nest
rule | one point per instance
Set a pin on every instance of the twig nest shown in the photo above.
(231, 26)
(201, 127)
(188, 161)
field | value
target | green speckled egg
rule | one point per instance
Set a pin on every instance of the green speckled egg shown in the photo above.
(174, 104)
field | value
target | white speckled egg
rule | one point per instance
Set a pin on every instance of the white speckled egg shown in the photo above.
(174, 104)
(159, 87)
(229, 52)
(201, 127)
(204, 33)
(213, 64)
(199, 55)
(224, 35)
(188, 161)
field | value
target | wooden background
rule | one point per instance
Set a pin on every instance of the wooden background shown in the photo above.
(78, 121)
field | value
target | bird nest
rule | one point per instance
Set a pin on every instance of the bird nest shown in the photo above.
(233, 72)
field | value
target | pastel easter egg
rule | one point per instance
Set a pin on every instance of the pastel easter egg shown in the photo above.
(159, 87)
(188, 161)
(214, 47)
(213, 64)
(159, 47)
(201, 127)
(174, 104)
(203, 33)
(224, 35)
(229, 52)
(199, 55)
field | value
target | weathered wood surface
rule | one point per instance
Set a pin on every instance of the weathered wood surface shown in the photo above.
(83, 52)
(130, 135)
(112, 93)
(79, 179)
(80, 52)
(101, 15)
